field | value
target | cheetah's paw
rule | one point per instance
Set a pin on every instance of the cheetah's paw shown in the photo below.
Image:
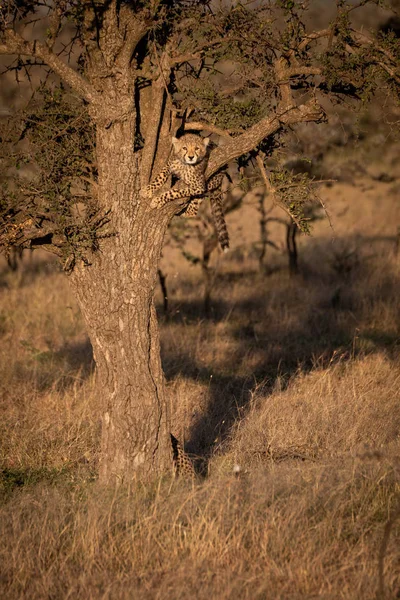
(145, 193)
(156, 202)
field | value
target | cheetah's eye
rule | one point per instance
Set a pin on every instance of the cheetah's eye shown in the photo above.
(184, 149)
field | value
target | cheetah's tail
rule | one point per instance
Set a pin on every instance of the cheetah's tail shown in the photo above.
(219, 220)
(183, 464)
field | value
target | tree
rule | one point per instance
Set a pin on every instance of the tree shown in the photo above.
(145, 70)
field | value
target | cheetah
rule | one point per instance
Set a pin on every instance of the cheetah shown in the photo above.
(188, 165)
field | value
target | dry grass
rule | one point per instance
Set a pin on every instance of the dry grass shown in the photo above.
(295, 531)
(295, 382)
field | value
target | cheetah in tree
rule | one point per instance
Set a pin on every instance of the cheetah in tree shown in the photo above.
(188, 165)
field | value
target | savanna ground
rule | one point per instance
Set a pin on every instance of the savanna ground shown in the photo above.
(289, 392)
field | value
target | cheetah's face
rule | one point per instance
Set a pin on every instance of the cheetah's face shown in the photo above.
(190, 148)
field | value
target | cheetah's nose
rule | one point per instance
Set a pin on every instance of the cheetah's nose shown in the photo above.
(190, 157)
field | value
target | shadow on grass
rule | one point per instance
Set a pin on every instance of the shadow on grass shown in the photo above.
(280, 327)
(13, 478)
(57, 369)
(28, 267)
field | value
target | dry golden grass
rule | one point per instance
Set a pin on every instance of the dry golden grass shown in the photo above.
(293, 382)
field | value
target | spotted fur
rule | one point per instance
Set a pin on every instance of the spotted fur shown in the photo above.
(216, 201)
(188, 164)
(183, 464)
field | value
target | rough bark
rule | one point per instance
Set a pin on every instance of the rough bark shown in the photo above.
(115, 294)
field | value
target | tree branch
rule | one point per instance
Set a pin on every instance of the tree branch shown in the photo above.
(28, 234)
(271, 190)
(297, 71)
(268, 185)
(315, 35)
(391, 72)
(133, 31)
(283, 80)
(15, 44)
(196, 54)
(360, 38)
(202, 126)
(311, 111)
(155, 111)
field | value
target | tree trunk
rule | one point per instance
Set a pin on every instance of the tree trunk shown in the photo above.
(115, 294)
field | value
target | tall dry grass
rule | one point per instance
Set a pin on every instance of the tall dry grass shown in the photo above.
(289, 393)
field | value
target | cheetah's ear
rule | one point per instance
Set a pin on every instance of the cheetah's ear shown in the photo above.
(174, 141)
(206, 141)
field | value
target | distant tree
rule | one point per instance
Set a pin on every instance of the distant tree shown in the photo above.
(133, 73)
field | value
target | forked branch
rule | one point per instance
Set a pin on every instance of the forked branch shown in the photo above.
(13, 43)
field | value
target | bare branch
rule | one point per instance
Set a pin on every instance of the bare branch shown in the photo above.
(15, 44)
(155, 112)
(283, 80)
(27, 234)
(311, 111)
(383, 65)
(389, 71)
(272, 191)
(360, 38)
(202, 126)
(268, 185)
(315, 35)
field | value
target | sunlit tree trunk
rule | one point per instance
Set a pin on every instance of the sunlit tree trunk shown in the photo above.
(115, 294)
